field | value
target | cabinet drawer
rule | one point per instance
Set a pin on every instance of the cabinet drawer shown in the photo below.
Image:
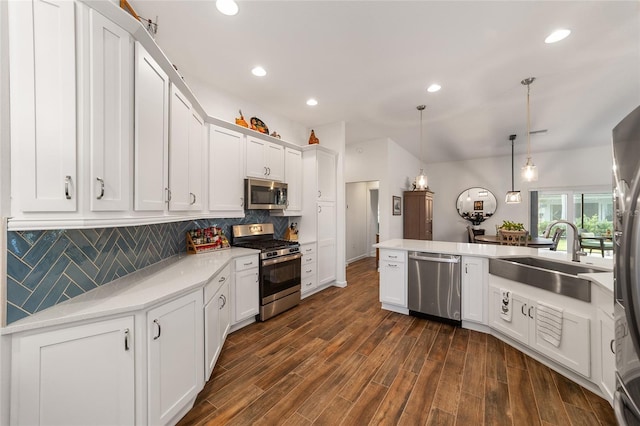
(214, 284)
(247, 262)
(308, 249)
(308, 260)
(309, 283)
(393, 256)
(308, 271)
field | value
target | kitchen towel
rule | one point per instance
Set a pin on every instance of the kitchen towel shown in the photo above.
(549, 323)
(505, 304)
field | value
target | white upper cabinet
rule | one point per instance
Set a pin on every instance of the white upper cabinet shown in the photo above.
(226, 178)
(110, 120)
(43, 106)
(197, 153)
(293, 178)
(265, 160)
(151, 133)
(326, 176)
(179, 127)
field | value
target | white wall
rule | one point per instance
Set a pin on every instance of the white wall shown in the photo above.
(224, 106)
(585, 168)
(361, 224)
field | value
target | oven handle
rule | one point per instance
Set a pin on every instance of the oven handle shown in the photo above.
(281, 259)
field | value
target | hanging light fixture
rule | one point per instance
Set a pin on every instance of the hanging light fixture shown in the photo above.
(513, 196)
(529, 170)
(421, 182)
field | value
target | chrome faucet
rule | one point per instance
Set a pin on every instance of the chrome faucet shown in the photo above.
(575, 250)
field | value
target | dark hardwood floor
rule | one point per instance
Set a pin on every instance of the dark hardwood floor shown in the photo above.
(338, 358)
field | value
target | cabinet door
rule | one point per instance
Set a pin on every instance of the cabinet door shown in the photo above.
(274, 155)
(326, 176)
(151, 133)
(326, 242)
(255, 165)
(518, 327)
(245, 297)
(212, 337)
(75, 375)
(42, 65)
(607, 355)
(293, 178)
(196, 161)
(179, 126)
(226, 176)
(393, 283)
(224, 311)
(474, 290)
(176, 356)
(111, 114)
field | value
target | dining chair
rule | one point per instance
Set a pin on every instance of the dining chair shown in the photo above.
(472, 236)
(556, 238)
(513, 238)
(589, 241)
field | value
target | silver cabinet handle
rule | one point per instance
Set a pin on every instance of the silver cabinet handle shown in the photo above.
(392, 265)
(268, 171)
(613, 351)
(168, 194)
(241, 202)
(530, 316)
(265, 170)
(99, 197)
(257, 278)
(309, 271)
(248, 264)
(193, 198)
(522, 309)
(155, 321)
(222, 279)
(392, 257)
(319, 193)
(126, 339)
(224, 301)
(67, 182)
(319, 209)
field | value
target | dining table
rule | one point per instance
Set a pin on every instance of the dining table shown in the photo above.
(535, 242)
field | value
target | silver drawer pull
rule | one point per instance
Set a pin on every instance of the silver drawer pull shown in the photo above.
(309, 271)
(126, 339)
(193, 198)
(67, 182)
(222, 279)
(155, 321)
(99, 197)
(392, 265)
(248, 264)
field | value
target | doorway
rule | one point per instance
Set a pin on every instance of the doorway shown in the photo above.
(361, 219)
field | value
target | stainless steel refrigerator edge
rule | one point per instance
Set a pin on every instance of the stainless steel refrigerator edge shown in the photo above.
(626, 172)
(434, 285)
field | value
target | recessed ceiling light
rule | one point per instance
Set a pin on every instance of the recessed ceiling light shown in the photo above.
(312, 102)
(557, 35)
(434, 88)
(259, 72)
(227, 7)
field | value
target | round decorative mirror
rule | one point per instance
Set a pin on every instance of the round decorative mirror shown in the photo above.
(476, 205)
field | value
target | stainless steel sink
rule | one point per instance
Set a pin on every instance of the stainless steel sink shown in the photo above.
(557, 277)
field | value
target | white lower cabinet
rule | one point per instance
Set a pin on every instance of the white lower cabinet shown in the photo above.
(216, 317)
(393, 277)
(74, 376)
(309, 268)
(575, 343)
(474, 289)
(245, 289)
(607, 354)
(175, 357)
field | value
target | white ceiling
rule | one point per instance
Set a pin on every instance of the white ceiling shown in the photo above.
(369, 62)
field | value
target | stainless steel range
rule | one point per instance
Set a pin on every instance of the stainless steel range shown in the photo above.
(280, 267)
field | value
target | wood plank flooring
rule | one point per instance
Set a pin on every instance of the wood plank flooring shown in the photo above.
(337, 358)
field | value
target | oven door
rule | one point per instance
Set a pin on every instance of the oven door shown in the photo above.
(279, 277)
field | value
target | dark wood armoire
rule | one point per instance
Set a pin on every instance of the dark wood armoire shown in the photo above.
(418, 215)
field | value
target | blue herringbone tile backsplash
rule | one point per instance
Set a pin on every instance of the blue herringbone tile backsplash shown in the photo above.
(48, 267)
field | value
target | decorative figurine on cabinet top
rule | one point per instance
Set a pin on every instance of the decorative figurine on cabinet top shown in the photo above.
(241, 121)
(313, 139)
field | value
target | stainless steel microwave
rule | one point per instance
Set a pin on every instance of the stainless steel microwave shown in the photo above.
(265, 194)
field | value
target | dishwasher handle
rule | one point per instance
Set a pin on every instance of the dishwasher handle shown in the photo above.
(453, 259)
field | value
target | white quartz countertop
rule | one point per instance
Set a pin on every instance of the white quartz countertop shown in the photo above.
(604, 279)
(155, 284)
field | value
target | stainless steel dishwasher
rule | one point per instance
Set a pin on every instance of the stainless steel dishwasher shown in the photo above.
(434, 286)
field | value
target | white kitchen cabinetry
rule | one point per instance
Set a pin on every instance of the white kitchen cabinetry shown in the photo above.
(309, 268)
(226, 177)
(265, 160)
(175, 357)
(475, 288)
(318, 220)
(186, 151)
(74, 375)
(110, 120)
(393, 280)
(293, 178)
(607, 354)
(42, 64)
(216, 317)
(575, 344)
(326, 242)
(245, 289)
(151, 133)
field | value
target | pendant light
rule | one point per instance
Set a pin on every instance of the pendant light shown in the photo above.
(421, 182)
(529, 170)
(513, 196)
